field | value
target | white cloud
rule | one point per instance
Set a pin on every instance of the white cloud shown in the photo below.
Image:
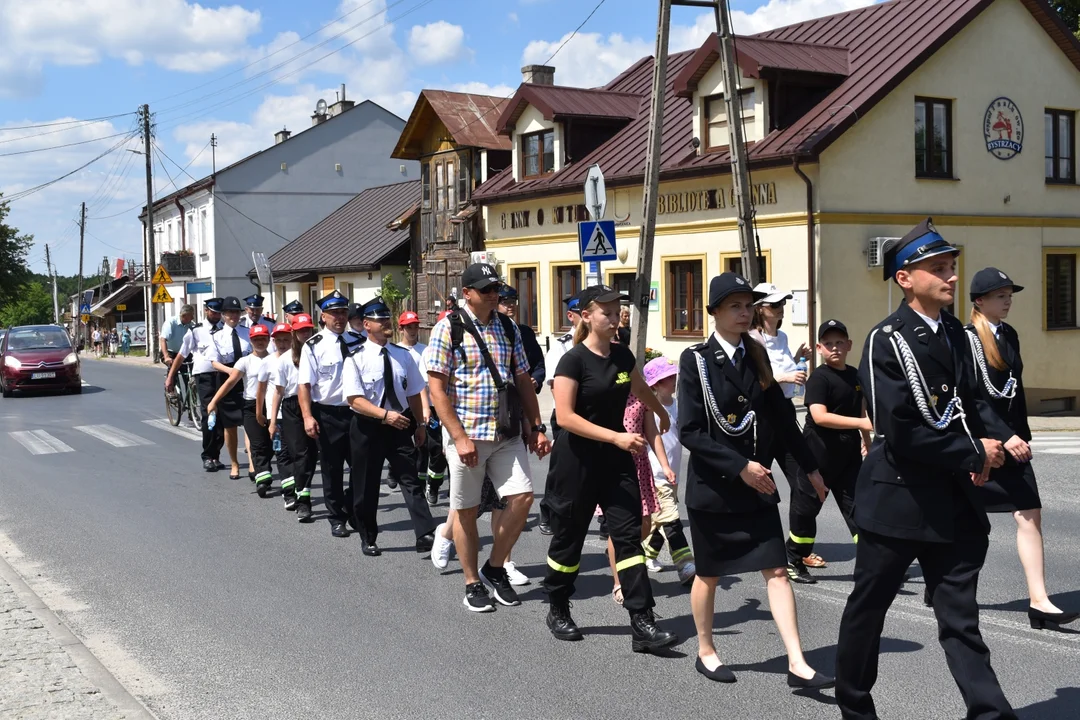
(175, 34)
(773, 14)
(437, 42)
(589, 59)
(481, 88)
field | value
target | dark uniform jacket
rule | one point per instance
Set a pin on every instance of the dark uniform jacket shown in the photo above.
(534, 354)
(915, 479)
(1012, 412)
(716, 459)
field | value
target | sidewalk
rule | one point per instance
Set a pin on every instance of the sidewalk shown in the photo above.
(131, 360)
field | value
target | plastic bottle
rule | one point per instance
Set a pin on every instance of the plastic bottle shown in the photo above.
(277, 441)
(800, 390)
(211, 420)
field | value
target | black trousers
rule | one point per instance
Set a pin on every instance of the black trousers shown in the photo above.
(212, 440)
(619, 496)
(803, 506)
(372, 444)
(334, 424)
(431, 459)
(952, 574)
(282, 456)
(545, 512)
(840, 476)
(302, 449)
(262, 447)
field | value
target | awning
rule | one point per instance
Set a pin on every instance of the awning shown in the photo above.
(107, 305)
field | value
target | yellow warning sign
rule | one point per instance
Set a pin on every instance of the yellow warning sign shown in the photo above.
(161, 277)
(161, 295)
(85, 318)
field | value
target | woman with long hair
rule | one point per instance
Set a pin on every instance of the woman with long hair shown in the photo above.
(592, 464)
(995, 347)
(731, 414)
(303, 449)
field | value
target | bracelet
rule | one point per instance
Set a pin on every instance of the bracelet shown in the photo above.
(386, 414)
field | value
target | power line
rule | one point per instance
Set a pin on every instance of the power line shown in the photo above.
(136, 207)
(67, 145)
(37, 188)
(68, 122)
(118, 249)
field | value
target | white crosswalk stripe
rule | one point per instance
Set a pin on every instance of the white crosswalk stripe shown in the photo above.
(1055, 445)
(112, 435)
(39, 442)
(163, 424)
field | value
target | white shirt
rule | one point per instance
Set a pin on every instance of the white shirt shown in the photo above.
(779, 357)
(417, 352)
(196, 344)
(559, 348)
(672, 446)
(250, 366)
(365, 374)
(221, 347)
(933, 325)
(284, 374)
(321, 363)
(266, 368)
(728, 348)
(996, 328)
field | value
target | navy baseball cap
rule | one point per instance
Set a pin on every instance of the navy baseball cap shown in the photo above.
(830, 325)
(479, 276)
(990, 279)
(600, 294)
(922, 243)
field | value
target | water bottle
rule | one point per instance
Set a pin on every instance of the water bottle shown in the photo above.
(277, 441)
(800, 390)
(211, 420)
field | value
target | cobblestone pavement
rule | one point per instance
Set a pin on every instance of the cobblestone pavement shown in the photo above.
(38, 678)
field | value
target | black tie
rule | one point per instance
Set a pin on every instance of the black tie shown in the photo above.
(389, 396)
(344, 347)
(740, 356)
(235, 346)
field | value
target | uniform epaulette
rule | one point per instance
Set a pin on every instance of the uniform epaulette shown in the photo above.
(698, 347)
(400, 347)
(216, 330)
(566, 338)
(314, 339)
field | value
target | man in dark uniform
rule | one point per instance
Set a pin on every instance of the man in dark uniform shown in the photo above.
(254, 314)
(916, 493)
(383, 386)
(293, 308)
(508, 305)
(196, 343)
(327, 416)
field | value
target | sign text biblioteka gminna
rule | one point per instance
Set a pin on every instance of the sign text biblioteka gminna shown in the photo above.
(687, 201)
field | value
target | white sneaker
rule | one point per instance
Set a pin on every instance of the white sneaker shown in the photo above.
(440, 549)
(515, 576)
(687, 573)
(652, 566)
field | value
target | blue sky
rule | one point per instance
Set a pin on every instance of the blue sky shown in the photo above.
(214, 67)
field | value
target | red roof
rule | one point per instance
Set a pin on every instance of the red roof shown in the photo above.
(555, 101)
(885, 43)
(755, 55)
(469, 118)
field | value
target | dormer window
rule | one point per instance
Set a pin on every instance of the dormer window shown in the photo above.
(716, 117)
(538, 153)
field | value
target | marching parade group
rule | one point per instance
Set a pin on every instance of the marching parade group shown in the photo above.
(916, 445)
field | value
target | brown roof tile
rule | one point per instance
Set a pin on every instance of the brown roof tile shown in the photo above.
(556, 101)
(469, 118)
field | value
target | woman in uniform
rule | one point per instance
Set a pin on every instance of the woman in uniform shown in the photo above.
(229, 343)
(303, 449)
(592, 465)
(731, 414)
(995, 348)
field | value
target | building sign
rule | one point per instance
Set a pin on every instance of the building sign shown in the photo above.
(1003, 129)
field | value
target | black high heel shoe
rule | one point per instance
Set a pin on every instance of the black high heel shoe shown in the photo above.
(1041, 620)
(720, 674)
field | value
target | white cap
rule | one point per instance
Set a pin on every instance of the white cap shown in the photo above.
(772, 294)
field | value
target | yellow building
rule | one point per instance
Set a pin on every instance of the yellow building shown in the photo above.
(860, 125)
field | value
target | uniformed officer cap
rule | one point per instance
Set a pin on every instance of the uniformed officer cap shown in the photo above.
(230, 303)
(729, 283)
(920, 244)
(213, 304)
(600, 294)
(990, 279)
(255, 301)
(831, 326)
(356, 310)
(293, 308)
(334, 301)
(376, 309)
(573, 303)
(506, 292)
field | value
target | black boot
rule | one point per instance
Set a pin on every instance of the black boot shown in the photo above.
(647, 636)
(560, 623)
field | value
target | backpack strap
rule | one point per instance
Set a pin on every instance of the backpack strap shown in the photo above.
(460, 323)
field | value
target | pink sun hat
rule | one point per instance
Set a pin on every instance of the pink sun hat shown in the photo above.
(659, 368)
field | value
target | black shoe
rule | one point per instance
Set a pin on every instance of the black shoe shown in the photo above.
(391, 483)
(721, 674)
(476, 598)
(647, 637)
(303, 512)
(928, 599)
(560, 623)
(290, 502)
(209, 466)
(251, 476)
(424, 543)
(234, 477)
(495, 578)
(797, 573)
(1043, 620)
(262, 488)
(338, 529)
(818, 682)
(432, 496)
(220, 465)
(370, 549)
(544, 529)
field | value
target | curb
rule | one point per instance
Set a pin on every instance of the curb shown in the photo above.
(96, 673)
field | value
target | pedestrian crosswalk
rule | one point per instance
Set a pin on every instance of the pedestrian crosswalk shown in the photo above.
(39, 442)
(66, 440)
(113, 436)
(1054, 444)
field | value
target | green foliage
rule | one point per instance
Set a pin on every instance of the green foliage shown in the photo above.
(651, 354)
(394, 296)
(13, 250)
(32, 305)
(1069, 10)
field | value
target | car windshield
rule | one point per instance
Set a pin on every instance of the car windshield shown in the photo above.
(38, 339)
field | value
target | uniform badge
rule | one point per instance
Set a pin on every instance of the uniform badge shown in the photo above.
(933, 399)
(731, 418)
(887, 329)
(740, 281)
(1003, 275)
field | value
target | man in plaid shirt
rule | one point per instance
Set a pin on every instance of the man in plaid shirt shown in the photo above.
(466, 400)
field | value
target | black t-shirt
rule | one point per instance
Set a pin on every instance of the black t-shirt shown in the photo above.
(839, 392)
(623, 334)
(603, 383)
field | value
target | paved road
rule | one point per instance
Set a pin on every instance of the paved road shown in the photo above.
(207, 602)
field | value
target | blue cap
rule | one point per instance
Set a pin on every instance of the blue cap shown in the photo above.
(294, 308)
(922, 243)
(255, 301)
(214, 304)
(334, 301)
(573, 303)
(506, 292)
(376, 309)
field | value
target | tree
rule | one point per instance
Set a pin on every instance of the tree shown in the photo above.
(32, 305)
(394, 296)
(1069, 10)
(13, 250)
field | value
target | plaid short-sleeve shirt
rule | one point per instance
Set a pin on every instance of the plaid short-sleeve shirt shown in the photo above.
(470, 387)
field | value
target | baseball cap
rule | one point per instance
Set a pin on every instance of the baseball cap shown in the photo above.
(659, 368)
(282, 329)
(408, 318)
(831, 325)
(479, 276)
(600, 294)
(301, 321)
(771, 294)
(258, 331)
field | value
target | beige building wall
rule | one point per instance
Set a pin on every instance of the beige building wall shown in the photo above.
(359, 287)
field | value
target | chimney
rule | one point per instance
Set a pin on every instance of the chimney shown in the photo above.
(538, 74)
(342, 104)
(281, 136)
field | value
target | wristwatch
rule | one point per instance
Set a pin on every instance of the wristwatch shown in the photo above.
(541, 428)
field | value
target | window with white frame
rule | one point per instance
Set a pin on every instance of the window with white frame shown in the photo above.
(204, 240)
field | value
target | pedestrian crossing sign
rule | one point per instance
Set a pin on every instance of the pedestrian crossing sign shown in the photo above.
(597, 240)
(161, 277)
(161, 295)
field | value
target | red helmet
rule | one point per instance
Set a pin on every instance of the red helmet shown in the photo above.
(301, 321)
(258, 331)
(282, 329)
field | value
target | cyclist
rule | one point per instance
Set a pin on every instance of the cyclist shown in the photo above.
(196, 343)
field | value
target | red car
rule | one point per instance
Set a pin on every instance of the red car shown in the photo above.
(38, 357)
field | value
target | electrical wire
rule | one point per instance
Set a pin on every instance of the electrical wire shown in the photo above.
(142, 204)
(68, 122)
(37, 188)
(66, 145)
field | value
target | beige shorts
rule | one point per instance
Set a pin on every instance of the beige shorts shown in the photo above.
(668, 505)
(506, 462)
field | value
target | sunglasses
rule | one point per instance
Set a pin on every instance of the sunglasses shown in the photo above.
(488, 290)
(780, 304)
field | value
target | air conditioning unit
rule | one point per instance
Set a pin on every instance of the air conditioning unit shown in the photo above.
(876, 247)
(482, 256)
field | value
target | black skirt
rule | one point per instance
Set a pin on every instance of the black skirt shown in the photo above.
(230, 409)
(736, 543)
(1011, 488)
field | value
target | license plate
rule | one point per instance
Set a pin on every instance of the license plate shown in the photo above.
(43, 376)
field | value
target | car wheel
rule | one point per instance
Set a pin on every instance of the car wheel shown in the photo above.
(6, 392)
(77, 390)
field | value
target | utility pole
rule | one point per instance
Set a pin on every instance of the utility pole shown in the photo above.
(78, 298)
(151, 262)
(52, 274)
(643, 284)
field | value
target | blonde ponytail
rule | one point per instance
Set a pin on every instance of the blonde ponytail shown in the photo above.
(986, 337)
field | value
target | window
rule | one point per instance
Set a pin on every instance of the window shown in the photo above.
(622, 281)
(686, 304)
(451, 196)
(716, 117)
(567, 282)
(477, 166)
(347, 290)
(1060, 290)
(204, 238)
(463, 181)
(440, 186)
(425, 182)
(933, 138)
(328, 284)
(732, 262)
(1060, 153)
(538, 153)
(190, 221)
(523, 280)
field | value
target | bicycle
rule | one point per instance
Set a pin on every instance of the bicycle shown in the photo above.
(184, 399)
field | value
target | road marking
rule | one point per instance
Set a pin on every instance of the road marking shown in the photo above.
(84, 383)
(39, 442)
(114, 436)
(163, 424)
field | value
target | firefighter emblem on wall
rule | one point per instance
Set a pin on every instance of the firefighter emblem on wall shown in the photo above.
(1003, 129)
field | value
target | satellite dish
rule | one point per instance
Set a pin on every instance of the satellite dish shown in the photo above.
(320, 107)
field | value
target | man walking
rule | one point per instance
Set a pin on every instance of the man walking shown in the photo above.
(508, 306)
(430, 459)
(196, 345)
